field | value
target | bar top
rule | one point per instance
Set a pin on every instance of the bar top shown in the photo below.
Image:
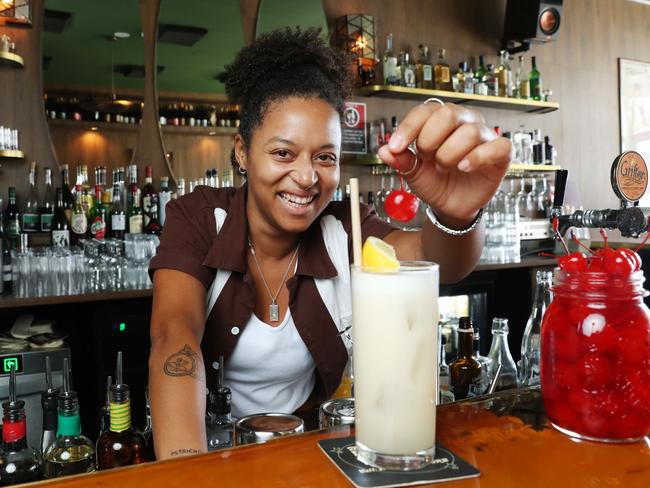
(506, 436)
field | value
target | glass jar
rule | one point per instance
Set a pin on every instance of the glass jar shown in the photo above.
(595, 356)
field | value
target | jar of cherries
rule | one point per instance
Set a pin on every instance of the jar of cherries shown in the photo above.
(595, 348)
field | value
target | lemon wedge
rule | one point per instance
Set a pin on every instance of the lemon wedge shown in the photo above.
(378, 256)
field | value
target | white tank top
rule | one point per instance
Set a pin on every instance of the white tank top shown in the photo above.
(270, 369)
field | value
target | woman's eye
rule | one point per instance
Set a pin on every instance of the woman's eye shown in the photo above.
(327, 157)
(282, 153)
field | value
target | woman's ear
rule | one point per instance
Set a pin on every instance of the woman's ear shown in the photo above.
(240, 152)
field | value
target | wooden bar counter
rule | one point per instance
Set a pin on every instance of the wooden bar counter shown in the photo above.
(506, 436)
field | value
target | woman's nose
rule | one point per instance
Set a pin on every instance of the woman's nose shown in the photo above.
(304, 173)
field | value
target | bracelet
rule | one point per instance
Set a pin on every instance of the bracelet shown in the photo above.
(453, 232)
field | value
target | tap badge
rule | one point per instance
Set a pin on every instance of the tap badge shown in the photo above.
(629, 176)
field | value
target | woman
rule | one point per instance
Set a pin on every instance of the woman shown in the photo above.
(271, 259)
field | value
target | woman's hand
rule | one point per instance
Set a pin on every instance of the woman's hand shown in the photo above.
(460, 161)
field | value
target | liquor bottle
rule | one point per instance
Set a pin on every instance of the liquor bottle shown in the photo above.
(47, 204)
(484, 361)
(441, 73)
(68, 198)
(71, 452)
(153, 226)
(180, 187)
(535, 81)
(521, 82)
(538, 147)
(148, 193)
(117, 217)
(119, 179)
(219, 426)
(423, 69)
(208, 178)
(500, 354)
(147, 432)
(504, 72)
(12, 219)
(49, 403)
(407, 71)
(121, 445)
(390, 63)
(60, 227)
(84, 188)
(492, 81)
(19, 463)
(133, 190)
(458, 78)
(97, 216)
(135, 213)
(529, 363)
(100, 176)
(164, 197)
(465, 371)
(215, 178)
(31, 220)
(480, 72)
(446, 396)
(549, 151)
(470, 81)
(79, 223)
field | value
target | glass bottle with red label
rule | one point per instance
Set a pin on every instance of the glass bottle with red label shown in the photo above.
(97, 216)
(19, 463)
(79, 223)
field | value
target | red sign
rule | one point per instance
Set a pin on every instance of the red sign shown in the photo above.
(353, 129)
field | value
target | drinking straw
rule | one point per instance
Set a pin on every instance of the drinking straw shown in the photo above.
(356, 221)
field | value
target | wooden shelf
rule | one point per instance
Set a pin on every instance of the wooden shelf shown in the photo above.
(11, 154)
(116, 126)
(11, 60)
(13, 302)
(421, 94)
(209, 131)
(518, 167)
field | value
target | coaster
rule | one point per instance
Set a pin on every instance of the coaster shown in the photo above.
(447, 466)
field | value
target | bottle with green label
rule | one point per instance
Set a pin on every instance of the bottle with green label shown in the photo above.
(121, 444)
(31, 220)
(71, 452)
(97, 217)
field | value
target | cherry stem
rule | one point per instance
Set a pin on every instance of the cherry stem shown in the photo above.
(574, 238)
(401, 182)
(556, 226)
(645, 239)
(546, 255)
(604, 236)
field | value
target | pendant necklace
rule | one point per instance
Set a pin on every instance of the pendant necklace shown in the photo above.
(274, 309)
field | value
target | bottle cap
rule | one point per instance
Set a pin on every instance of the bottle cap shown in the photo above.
(500, 325)
(465, 323)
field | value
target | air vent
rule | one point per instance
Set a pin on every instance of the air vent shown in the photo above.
(182, 35)
(134, 70)
(56, 21)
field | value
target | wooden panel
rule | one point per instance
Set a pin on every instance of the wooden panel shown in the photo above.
(190, 155)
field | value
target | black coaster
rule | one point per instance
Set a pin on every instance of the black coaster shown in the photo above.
(446, 467)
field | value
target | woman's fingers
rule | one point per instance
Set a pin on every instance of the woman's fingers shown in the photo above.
(461, 142)
(441, 125)
(411, 126)
(494, 155)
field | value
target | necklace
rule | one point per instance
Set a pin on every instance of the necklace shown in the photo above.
(274, 310)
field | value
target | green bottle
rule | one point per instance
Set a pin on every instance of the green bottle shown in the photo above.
(71, 452)
(480, 72)
(535, 80)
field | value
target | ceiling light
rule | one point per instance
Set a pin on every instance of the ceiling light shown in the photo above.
(121, 35)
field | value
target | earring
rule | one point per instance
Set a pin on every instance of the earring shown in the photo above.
(242, 171)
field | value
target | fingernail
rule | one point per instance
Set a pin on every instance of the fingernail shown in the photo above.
(464, 165)
(396, 142)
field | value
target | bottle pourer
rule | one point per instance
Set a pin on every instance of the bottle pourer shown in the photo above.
(51, 394)
(119, 392)
(67, 399)
(14, 410)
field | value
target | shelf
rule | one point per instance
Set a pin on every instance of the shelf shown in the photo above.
(11, 154)
(11, 60)
(518, 168)
(421, 94)
(13, 302)
(210, 131)
(117, 126)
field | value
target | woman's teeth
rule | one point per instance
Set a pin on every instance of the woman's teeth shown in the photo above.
(296, 200)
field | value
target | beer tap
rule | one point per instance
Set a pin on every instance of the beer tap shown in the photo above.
(629, 179)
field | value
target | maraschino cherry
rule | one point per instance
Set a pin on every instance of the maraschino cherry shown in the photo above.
(401, 205)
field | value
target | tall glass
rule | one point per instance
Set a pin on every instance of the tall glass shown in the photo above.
(394, 330)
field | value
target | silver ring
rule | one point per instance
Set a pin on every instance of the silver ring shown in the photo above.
(433, 99)
(415, 164)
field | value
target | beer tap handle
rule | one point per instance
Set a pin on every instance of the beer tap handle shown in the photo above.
(561, 176)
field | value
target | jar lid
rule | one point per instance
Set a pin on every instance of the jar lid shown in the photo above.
(339, 408)
(263, 426)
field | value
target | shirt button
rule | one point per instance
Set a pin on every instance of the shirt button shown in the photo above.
(234, 330)
(215, 365)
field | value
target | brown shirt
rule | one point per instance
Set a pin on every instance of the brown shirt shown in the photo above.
(190, 243)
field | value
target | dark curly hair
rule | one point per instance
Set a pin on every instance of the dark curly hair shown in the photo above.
(285, 63)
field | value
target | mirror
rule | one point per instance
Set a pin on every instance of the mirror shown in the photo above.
(93, 79)
(195, 41)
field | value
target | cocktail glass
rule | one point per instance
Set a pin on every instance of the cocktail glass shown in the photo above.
(394, 331)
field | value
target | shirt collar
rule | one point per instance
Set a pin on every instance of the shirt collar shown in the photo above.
(229, 247)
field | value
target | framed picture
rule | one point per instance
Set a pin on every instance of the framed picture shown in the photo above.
(634, 106)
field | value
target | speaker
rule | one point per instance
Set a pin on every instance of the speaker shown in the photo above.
(531, 21)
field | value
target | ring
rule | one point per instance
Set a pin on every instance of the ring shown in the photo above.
(433, 99)
(415, 164)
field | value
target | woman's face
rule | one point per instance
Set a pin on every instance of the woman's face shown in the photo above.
(293, 162)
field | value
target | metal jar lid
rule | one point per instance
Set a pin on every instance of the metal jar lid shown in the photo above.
(261, 427)
(339, 411)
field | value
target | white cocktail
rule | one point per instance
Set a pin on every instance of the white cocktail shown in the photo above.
(395, 316)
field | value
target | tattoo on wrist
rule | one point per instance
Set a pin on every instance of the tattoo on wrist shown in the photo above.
(184, 452)
(183, 363)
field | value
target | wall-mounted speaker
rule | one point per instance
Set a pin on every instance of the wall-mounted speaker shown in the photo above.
(531, 21)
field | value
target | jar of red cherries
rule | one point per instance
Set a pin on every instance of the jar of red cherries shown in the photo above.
(595, 348)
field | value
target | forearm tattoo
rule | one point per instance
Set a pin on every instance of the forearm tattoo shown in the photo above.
(184, 363)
